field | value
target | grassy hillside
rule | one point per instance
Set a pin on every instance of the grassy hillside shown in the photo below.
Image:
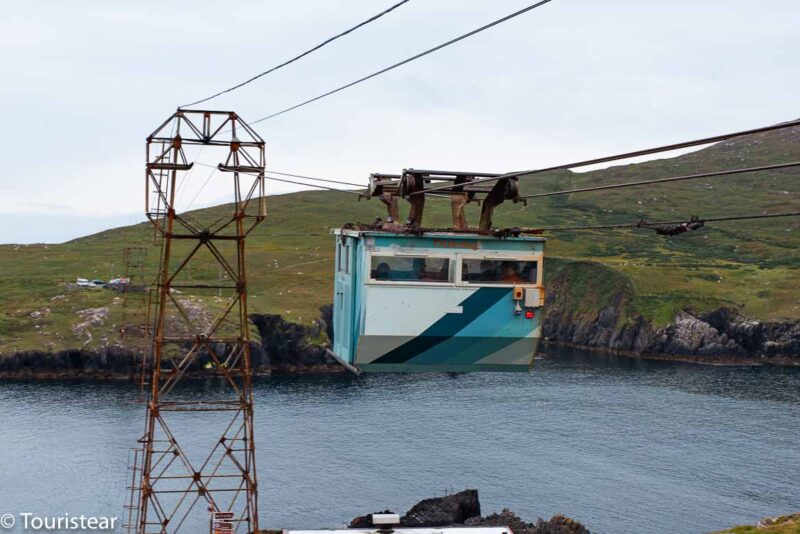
(789, 524)
(755, 265)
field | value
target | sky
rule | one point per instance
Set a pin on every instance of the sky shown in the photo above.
(84, 83)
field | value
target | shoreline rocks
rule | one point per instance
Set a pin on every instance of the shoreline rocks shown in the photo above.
(594, 307)
(290, 348)
(442, 511)
(464, 509)
(723, 336)
(109, 363)
(558, 524)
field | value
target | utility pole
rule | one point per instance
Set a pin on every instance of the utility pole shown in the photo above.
(197, 455)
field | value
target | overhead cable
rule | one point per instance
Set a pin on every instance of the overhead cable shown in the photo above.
(208, 179)
(627, 155)
(664, 180)
(312, 185)
(295, 176)
(333, 181)
(403, 62)
(324, 180)
(307, 52)
(299, 176)
(645, 224)
(328, 180)
(316, 179)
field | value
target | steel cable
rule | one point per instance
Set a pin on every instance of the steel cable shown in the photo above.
(403, 62)
(665, 180)
(645, 224)
(627, 155)
(316, 179)
(307, 52)
(312, 185)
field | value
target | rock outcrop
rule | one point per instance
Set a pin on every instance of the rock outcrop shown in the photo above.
(442, 511)
(295, 348)
(558, 524)
(108, 362)
(592, 306)
(464, 508)
(720, 335)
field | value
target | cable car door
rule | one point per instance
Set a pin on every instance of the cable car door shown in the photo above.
(344, 302)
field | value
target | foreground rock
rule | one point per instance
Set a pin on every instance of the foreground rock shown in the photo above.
(463, 508)
(441, 511)
(558, 524)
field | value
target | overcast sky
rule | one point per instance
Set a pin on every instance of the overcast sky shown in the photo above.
(84, 82)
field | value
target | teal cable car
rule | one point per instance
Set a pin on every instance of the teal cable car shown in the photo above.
(458, 300)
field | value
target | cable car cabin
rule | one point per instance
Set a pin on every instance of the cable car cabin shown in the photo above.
(437, 301)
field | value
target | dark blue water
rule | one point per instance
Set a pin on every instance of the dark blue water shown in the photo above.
(624, 446)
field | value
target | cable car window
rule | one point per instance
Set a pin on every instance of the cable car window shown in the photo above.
(344, 258)
(498, 271)
(409, 269)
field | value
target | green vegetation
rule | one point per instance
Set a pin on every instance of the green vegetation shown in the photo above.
(788, 524)
(584, 288)
(754, 264)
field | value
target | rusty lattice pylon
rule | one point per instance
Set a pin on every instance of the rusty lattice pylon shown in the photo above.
(197, 454)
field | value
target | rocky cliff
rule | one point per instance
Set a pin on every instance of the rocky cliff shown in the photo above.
(588, 305)
(295, 348)
(112, 362)
(109, 363)
(593, 306)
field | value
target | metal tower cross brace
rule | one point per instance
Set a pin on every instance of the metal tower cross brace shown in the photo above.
(197, 454)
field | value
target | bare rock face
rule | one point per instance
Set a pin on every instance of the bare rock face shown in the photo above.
(592, 306)
(442, 511)
(103, 363)
(558, 524)
(725, 332)
(692, 335)
(767, 339)
(464, 508)
(92, 317)
(290, 347)
(326, 316)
